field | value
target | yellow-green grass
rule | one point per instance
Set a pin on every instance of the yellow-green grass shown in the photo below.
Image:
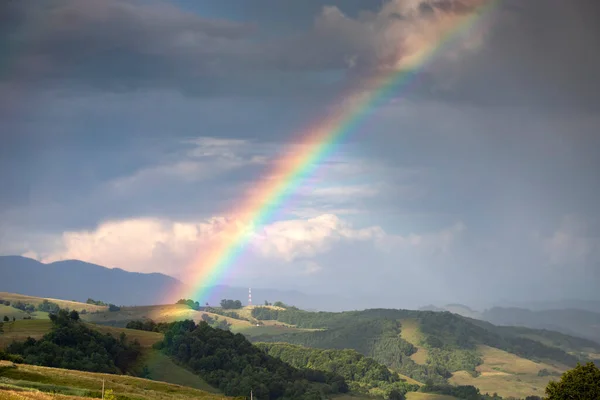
(11, 312)
(162, 368)
(409, 331)
(427, 396)
(146, 339)
(161, 313)
(135, 388)
(19, 394)
(506, 374)
(409, 379)
(71, 305)
(22, 329)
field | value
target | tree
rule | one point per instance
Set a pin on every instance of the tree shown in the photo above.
(581, 383)
(396, 395)
(74, 315)
(6, 319)
(109, 395)
(231, 304)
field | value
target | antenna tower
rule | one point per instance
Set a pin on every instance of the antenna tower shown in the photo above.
(249, 296)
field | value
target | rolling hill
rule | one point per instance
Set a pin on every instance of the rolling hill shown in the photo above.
(422, 346)
(21, 381)
(442, 347)
(575, 322)
(582, 322)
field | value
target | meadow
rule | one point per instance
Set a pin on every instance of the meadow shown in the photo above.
(18, 379)
(71, 305)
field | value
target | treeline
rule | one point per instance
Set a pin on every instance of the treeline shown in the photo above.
(363, 374)
(232, 364)
(161, 327)
(194, 305)
(148, 325)
(72, 345)
(228, 304)
(111, 307)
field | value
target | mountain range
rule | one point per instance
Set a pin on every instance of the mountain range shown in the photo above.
(78, 280)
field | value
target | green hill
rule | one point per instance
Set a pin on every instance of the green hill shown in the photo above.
(440, 347)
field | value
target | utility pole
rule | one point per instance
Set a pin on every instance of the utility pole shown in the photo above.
(102, 388)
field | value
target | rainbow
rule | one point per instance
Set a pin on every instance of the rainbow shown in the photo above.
(315, 144)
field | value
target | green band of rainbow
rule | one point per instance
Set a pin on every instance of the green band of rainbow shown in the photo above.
(316, 144)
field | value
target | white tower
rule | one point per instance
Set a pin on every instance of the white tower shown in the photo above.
(249, 296)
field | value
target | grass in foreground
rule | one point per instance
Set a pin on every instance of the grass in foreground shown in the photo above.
(162, 368)
(90, 384)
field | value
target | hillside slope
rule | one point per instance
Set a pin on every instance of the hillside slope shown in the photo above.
(575, 322)
(441, 347)
(15, 378)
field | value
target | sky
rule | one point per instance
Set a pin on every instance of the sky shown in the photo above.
(130, 130)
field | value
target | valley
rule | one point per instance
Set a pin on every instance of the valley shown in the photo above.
(421, 347)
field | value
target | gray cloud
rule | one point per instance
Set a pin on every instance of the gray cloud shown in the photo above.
(539, 52)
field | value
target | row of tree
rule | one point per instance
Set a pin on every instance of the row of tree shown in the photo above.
(111, 307)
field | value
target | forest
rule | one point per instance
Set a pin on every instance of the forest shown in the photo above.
(363, 374)
(232, 364)
(449, 338)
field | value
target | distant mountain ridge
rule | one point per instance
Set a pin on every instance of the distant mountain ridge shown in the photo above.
(78, 280)
(570, 321)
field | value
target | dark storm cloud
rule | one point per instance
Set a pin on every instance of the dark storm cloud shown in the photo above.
(116, 44)
(539, 52)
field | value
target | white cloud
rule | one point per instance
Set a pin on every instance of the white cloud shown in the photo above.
(294, 239)
(399, 35)
(154, 245)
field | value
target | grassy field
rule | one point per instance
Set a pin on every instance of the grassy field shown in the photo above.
(71, 305)
(162, 368)
(164, 313)
(427, 396)
(22, 329)
(506, 374)
(86, 384)
(410, 332)
(146, 339)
